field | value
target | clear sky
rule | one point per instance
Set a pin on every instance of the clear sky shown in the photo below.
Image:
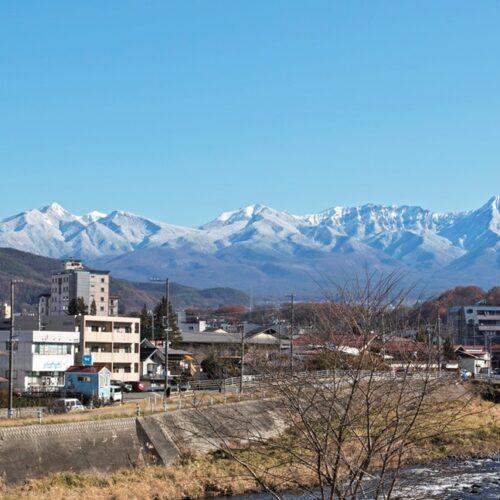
(181, 110)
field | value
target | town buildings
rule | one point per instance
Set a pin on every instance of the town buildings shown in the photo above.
(112, 342)
(47, 343)
(73, 281)
(41, 357)
(475, 325)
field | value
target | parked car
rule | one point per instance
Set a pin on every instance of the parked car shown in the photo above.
(137, 386)
(182, 386)
(126, 386)
(115, 394)
(66, 405)
(156, 387)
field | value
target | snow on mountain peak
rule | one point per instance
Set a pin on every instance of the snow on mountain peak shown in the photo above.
(410, 234)
(55, 209)
(93, 216)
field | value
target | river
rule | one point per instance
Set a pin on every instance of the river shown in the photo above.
(472, 479)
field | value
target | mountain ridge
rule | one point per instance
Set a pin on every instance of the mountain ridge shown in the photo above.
(259, 246)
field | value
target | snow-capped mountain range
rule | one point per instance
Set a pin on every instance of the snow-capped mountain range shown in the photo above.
(271, 251)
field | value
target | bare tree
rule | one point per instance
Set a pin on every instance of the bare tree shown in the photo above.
(345, 431)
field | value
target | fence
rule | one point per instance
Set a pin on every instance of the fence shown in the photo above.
(262, 380)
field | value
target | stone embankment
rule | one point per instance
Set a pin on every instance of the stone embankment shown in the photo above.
(30, 452)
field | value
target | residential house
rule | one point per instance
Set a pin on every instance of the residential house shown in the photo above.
(90, 381)
(473, 358)
(180, 362)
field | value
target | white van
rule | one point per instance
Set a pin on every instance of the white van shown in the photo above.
(66, 405)
(115, 394)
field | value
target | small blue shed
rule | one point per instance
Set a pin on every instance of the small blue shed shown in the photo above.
(91, 381)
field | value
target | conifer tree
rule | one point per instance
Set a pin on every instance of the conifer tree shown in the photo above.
(146, 330)
(449, 349)
(93, 308)
(160, 314)
(77, 307)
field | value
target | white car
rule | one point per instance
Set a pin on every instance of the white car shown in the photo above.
(66, 405)
(115, 394)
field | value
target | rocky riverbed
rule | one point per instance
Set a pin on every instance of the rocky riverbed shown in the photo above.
(472, 479)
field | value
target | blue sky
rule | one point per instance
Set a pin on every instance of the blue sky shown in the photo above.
(181, 110)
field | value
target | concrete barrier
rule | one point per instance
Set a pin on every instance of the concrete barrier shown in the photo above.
(35, 451)
(108, 445)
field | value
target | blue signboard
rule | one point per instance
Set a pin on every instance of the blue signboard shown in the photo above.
(87, 360)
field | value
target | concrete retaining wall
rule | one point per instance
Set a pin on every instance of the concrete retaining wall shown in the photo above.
(35, 451)
(105, 446)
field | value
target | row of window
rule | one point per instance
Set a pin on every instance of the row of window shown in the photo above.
(45, 348)
(95, 328)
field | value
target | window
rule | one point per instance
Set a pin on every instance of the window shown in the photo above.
(102, 308)
(102, 280)
(51, 349)
(84, 378)
(102, 299)
(102, 290)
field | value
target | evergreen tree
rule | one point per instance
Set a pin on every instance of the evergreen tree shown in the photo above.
(93, 308)
(77, 307)
(160, 314)
(421, 336)
(146, 330)
(449, 349)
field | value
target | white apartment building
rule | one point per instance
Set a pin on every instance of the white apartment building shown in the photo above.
(40, 358)
(72, 282)
(112, 342)
(193, 325)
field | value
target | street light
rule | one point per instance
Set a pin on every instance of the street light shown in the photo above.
(11, 348)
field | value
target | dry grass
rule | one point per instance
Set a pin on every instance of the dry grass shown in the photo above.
(476, 432)
(128, 409)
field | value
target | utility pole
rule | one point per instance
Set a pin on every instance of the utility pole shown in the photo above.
(39, 316)
(11, 349)
(242, 358)
(439, 342)
(167, 327)
(153, 326)
(292, 324)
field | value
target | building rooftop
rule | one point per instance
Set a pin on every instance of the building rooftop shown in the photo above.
(85, 369)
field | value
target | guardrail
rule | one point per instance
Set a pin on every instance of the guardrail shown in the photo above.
(484, 376)
(232, 384)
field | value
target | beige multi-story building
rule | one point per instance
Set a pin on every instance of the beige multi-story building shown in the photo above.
(113, 342)
(72, 282)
